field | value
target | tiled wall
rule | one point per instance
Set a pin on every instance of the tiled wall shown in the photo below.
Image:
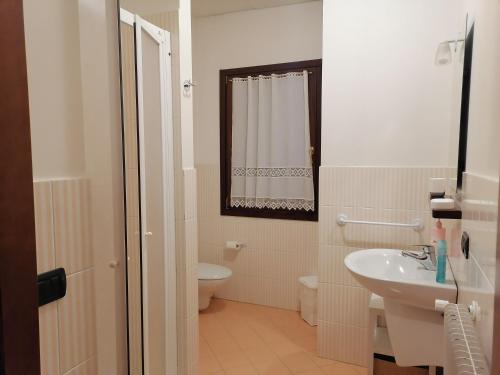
(187, 274)
(67, 327)
(476, 276)
(363, 193)
(275, 254)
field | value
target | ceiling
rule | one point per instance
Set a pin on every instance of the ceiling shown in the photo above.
(150, 6)
(202, 8)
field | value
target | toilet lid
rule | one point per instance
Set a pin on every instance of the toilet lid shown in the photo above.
(208, 271)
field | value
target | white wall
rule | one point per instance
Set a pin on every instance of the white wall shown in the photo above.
(103, 153)
(186, 74)
(235, 40)
(53, 59)
(383, 97)
(383, 100)
(288, 248)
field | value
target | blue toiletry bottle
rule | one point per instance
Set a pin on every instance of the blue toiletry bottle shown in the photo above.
(441, 261)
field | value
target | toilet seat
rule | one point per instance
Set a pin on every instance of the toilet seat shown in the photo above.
(207, 271)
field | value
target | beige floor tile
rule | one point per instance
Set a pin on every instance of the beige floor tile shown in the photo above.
(306, 343)
(321, 361)
(285, 348)
(299, 330)
(208, 364)
(260, 354)
(202, 346)
(314, 371)
(240, 338)
(246, 337)
(340, 368)
(245, 370)
(229, 354)
(275, 367)
(212, 330)
(298, 362)
(209, 368)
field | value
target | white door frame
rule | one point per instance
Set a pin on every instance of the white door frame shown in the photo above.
(162, 37)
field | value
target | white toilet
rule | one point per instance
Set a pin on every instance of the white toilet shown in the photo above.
(210, 278)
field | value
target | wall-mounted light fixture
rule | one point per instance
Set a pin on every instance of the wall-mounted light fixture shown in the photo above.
(443, 53)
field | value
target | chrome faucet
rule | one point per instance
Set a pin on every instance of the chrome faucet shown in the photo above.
(426, 257)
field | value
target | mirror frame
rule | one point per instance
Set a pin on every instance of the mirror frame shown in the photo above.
(464, 107)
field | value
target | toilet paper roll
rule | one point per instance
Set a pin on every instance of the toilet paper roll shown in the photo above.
(234, 245)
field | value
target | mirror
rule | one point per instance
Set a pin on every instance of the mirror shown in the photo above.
(464, 107)
(459, 53)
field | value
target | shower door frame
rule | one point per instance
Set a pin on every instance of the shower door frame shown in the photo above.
(162, 37)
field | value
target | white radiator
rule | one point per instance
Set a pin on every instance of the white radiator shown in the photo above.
(464, 355)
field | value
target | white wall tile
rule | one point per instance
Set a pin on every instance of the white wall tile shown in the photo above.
(476, 276)
(49, 339)
(67, 328)
(343, 304)
(275, 254)
(72, 224)
(389, 194)
(44, 225)
(77, 334)
(344, 343)
(187, 273)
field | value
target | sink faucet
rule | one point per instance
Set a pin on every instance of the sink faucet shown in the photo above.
(426, 257)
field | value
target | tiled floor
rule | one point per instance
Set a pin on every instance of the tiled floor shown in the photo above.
(240, 339)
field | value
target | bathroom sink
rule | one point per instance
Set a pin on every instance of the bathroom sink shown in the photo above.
(390, 275)
(409, 292)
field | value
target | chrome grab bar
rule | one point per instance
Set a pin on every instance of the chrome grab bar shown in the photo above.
(417, 224)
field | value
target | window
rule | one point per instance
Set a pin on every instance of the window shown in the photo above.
(269, 164)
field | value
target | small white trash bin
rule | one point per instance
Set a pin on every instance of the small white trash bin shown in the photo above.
(309, 299)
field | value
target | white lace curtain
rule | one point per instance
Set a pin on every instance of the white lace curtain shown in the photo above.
(271, 159)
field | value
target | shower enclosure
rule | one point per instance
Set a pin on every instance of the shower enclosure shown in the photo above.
(149, 175)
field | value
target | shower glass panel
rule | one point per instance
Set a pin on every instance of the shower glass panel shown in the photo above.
(150, 217)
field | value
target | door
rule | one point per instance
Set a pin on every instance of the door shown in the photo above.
(150, 185)
(65, 140)
(19, 337)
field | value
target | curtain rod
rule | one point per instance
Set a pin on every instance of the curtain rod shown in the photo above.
(231, 80)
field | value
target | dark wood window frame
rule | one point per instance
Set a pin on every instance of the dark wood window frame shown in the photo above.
(226, 75)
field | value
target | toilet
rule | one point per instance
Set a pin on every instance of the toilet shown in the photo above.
(210, 278)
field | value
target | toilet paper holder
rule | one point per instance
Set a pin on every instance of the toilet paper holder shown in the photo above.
(234, 245)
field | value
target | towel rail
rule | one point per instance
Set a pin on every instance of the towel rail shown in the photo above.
(417, 224)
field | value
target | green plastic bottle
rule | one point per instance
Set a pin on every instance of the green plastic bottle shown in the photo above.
(442, 250)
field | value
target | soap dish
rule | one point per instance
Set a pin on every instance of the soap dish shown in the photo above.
(442, 204)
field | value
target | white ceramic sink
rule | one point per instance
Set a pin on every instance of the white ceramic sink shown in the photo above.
(409, 292)
(390, 275)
